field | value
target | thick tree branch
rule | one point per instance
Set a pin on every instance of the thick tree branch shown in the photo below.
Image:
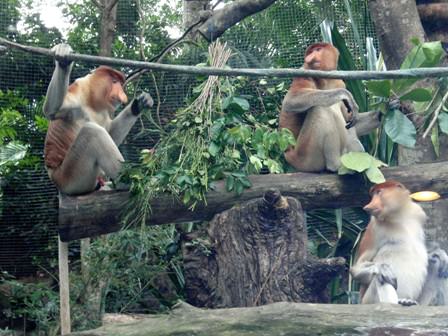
(284, 73)
(99, 212)
(433, 12)
(224, 18)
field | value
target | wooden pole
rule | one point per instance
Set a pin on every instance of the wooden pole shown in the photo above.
(195, 70)
(64, 287)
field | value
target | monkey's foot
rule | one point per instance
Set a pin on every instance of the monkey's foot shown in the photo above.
(407, 302)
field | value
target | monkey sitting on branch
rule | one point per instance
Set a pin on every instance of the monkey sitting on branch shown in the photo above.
(82, 139)
(393, 264)
(323, 116)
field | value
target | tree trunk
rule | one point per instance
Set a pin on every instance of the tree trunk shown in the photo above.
(396, 23)
(191, 11)
(229, 15)
(108, 25)
(254, 254)
(434, 15)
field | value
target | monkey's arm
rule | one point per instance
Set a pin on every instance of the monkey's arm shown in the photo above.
(123, 123)
(302, 100)
(380, 281)
(59, 82)
(367, 122)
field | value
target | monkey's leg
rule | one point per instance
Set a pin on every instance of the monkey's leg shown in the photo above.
(92, 151)
(332, 152)
(353, 143)
(381, 281)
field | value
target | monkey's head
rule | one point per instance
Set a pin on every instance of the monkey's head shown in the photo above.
(437, 261)
(388, 198)
(321, 56)
(106, 89)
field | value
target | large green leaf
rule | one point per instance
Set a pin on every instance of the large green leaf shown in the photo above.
(346, 62)
(399, 128)
(357, 161)
(375, 175)
(380, 88)
(426, 54)
(417, 95)
(443, 122)
(12, 153)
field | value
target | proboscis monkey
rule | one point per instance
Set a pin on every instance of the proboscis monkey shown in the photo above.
(82, 140)
(321, 114)
(392, 258)
(435, 290)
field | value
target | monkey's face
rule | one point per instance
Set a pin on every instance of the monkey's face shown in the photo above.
(322, 58)
(116, 95)
(438, 263)
(387, 201)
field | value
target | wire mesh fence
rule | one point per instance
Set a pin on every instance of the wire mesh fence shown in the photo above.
(276, 37)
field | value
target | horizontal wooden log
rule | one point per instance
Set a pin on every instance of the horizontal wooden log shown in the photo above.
(283, 318)
(100, 212)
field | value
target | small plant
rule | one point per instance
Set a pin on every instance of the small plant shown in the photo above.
(397, 125)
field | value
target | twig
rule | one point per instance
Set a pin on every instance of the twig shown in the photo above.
(436, 115)
(283, 73)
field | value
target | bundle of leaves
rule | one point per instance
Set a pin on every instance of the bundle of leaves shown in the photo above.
(213, 138)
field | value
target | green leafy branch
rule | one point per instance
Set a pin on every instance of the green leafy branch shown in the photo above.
(214, 138)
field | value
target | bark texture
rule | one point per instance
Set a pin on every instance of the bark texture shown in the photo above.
(434, 16)
(285, 318)
(396, 22)
(254, 254)
(108, 9)
(225, 18)
(191, 11)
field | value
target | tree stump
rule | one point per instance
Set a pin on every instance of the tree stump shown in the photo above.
(254, 254)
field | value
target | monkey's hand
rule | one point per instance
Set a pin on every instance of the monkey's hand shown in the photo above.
(386, 275)
(60, 53)
(144, 101)
(351, 111)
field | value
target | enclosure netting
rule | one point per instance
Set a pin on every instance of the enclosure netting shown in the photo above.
(276, 37)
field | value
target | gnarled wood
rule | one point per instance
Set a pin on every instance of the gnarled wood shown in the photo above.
(254, 254)
(99, 212)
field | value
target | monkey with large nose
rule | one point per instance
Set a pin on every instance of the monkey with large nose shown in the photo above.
(392, 259)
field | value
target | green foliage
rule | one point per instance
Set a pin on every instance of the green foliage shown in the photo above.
(397, 125)
(11, 151)
(399, 128)
(141, 269)
(216, 137)
(35, 302)
(362, 162)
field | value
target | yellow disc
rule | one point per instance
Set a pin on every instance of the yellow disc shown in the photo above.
(425, 196)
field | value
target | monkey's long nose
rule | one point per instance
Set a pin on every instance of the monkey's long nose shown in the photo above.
(372, 209)
(368, 208)
(122, 97)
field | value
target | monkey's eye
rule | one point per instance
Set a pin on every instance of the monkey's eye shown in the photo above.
(114, 80)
